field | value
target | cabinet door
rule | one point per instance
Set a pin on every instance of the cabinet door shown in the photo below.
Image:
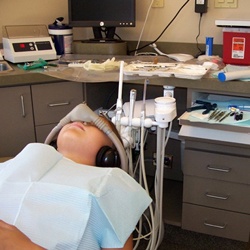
(17, 127)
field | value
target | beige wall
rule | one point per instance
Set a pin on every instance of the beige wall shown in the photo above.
(184, 29)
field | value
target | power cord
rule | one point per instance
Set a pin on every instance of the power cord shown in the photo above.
(143, 27)
(140, 48)
(201, 52)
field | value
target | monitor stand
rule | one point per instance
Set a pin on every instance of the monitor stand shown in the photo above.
(100, 45)
(99, 48)
(108, 32)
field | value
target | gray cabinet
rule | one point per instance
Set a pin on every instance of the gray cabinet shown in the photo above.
(51, 102)
(216, 189)
(17, 127)
(28, 113)
(216, 168)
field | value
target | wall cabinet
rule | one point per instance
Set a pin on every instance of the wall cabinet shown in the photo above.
(28, 113)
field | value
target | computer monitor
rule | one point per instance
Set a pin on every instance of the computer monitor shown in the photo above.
(104, 16)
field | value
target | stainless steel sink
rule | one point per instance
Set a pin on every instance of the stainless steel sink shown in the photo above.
(5, 67)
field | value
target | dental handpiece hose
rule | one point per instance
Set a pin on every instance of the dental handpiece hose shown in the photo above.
(130, 138)
(132, 105)
(160, 154)
(146, 82)
(119, 99)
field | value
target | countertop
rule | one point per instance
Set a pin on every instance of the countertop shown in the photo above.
(19, 77)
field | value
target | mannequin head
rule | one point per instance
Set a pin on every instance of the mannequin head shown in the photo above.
(83, 143)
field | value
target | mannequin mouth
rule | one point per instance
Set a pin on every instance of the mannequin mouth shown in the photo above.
(77, 125)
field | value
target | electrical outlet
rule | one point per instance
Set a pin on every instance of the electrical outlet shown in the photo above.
(168, 161)
(227, 4)
(158, 4)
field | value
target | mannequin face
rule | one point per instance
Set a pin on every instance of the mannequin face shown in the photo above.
(81, 142)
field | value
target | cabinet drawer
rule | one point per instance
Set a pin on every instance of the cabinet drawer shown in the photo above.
(217, 194)
(216, 222)
(53, 101)
(217, 166)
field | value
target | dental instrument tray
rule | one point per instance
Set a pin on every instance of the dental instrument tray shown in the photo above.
(178, 70)
(219, 118)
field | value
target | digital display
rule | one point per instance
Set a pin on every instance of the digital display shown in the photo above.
(32, 46)
(23, 47)
(45, 45)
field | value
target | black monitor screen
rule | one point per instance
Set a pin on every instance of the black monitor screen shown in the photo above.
(101, 13)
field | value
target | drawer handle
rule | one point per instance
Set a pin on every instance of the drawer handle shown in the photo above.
(217, 196)
(214, 225)
(23, 106)
(59, 104)
(225, 170)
